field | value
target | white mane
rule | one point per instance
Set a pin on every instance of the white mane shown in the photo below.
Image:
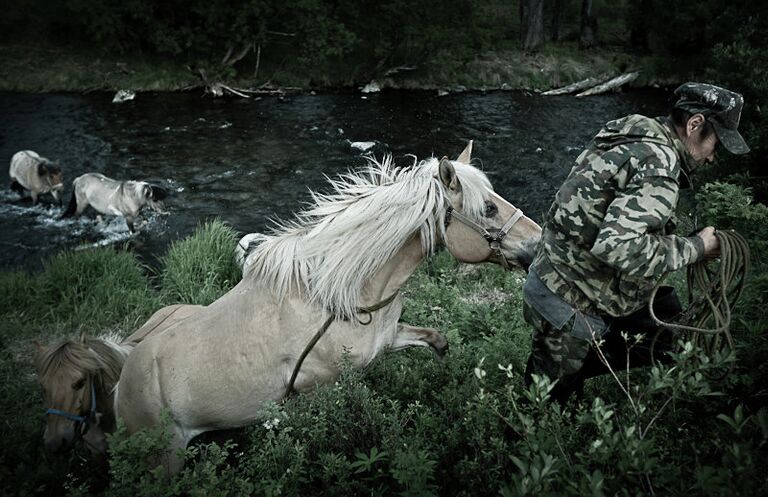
(334, 247)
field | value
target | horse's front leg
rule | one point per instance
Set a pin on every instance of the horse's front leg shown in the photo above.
(129, 222)
(414, 336)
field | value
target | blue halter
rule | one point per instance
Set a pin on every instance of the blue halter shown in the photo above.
(74, 417)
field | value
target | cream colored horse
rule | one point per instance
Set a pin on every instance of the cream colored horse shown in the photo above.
(36, 174)
(354, 248)
(78, 377)
(113, 197)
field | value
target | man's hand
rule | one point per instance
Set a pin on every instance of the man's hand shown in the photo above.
(711, 243)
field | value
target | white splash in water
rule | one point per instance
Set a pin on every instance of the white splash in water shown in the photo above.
(101, 230)
(363, 146)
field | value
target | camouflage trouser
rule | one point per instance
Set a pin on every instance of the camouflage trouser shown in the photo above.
(556, 354)
(561, 356)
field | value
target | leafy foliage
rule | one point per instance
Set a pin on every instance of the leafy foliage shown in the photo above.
(410, 424)
(201, 268)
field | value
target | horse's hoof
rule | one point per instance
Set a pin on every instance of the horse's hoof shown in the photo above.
(441, 350)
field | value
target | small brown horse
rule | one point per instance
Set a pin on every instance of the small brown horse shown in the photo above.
(78, 378)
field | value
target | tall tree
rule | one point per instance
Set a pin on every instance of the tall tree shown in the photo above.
(557, 20)
(588, 25)
(641, 14)
(531, 23)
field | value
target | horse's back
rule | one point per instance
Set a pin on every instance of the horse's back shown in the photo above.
(93, 180)
(161, 321)
(22, 162)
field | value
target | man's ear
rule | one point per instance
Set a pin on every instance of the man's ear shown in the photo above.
(695, 123)
(448, 175)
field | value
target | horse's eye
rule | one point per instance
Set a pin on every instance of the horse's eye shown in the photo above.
(490, 209)
(79, 384)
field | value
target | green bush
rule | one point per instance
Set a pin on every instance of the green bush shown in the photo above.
(730, 206)
(200, 268)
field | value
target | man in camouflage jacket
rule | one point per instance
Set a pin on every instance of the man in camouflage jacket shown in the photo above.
(604, 244)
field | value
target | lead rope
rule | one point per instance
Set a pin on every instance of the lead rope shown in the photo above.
(360, 310)
(718, 290)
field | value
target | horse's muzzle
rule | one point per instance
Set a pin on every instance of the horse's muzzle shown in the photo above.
(61, 442)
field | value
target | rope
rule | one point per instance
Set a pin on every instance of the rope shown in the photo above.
(360, 310)
(712, 292)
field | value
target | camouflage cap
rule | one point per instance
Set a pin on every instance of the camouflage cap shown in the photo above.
(721, 107)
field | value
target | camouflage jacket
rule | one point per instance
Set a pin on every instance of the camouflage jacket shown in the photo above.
(603, 245)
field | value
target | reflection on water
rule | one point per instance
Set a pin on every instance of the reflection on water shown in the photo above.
(247, 161)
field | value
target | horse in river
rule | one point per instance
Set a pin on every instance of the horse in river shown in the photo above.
(109, 196)
(78, 378)
(31, 172)
(320, 287)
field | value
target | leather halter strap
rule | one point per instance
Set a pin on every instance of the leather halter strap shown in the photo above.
(494, 240)
(85, 420)
(331, 318)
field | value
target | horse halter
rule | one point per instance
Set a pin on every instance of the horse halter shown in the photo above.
(494, 241)
(84, 420)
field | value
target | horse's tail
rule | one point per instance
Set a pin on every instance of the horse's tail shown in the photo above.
(72, 207)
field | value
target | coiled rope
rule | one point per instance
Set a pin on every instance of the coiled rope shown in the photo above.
(712, 292)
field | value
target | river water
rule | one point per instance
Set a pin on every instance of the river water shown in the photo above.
(249, 161)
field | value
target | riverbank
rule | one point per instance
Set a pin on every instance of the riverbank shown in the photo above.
(48, 68)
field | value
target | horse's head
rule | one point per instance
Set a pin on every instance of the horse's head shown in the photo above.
(52, 174)
(68, 373)
(480, 225)
(152, 195)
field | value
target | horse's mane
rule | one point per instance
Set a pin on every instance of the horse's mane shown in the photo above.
(102, 358)
(336, 245)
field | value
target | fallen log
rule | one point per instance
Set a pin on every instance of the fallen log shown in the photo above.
(611, 84)
(578, 86)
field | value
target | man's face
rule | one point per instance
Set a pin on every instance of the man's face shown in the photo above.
(703, 149)
(701, 140)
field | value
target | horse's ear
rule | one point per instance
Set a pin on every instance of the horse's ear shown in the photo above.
(448, 175)
(158, 193)
(83, 338)
(466, 156)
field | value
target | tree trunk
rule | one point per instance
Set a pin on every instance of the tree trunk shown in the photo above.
(557, 18)
(641, 15)
(588, 25)
(531, 23)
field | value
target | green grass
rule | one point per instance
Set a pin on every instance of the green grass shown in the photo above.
(29, 67)
(199, 269)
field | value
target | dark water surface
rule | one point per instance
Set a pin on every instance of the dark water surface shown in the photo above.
(246, 161)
